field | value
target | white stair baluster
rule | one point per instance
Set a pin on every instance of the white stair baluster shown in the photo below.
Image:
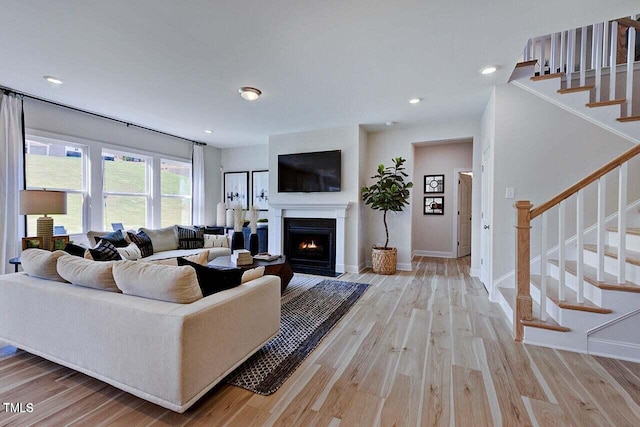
(553, 53)
(571, 59)
(563, 50)
(543, 58)
(631, 56)
(612, 60)
(561, 250)
(622, 223)
(543, 269)
(580, 245)
(602, 196)
(583, 56)
(597, 33)
(593, 45)
(605, 44)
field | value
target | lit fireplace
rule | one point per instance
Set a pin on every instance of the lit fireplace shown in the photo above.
(309, 244)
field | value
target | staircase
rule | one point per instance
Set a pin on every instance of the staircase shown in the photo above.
(583, 294)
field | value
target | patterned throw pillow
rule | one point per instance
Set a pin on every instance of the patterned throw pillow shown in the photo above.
(105, 251)
(115, 237)
(190, 237)
(211, 279)
(143, 242)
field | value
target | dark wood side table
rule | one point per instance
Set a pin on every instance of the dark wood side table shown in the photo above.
(278, 267)
(15, 262)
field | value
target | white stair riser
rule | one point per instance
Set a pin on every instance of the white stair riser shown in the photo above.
(633, 241)
(592, 293)
(611, 266)
(572, 340)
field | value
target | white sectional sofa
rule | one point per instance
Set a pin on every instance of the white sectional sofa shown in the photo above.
(170, 354)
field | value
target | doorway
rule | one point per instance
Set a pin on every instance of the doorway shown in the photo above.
(465, 182)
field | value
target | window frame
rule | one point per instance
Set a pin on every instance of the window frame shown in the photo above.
(176, 196)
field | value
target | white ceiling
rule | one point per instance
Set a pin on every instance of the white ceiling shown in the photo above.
(176, 65)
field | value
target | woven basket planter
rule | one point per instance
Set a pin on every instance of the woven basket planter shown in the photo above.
(384, 260)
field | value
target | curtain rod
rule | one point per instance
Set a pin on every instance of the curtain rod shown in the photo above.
(69, 107)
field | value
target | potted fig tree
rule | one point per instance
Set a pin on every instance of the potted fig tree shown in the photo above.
(389, 192)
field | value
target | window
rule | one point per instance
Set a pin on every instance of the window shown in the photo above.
(175, 186)
(58, 165)
(125, 189)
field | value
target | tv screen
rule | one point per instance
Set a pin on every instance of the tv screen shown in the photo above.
(310, 172)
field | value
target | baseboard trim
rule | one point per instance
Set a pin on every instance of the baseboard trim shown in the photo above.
(402, 266)
(474, 272)
(617, 350)
(433, 254)
(353, 268)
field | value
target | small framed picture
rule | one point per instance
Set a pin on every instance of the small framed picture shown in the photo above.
(236, 189)
(32, 243)
(434, 205)
(59, 242)
(260, 189)
(434, 183)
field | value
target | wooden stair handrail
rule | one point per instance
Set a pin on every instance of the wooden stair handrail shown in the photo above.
(628, 22)
(618, 161)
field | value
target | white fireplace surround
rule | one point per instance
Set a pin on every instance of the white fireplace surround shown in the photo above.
(337, 211)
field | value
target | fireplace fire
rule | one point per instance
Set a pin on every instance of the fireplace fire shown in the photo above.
(310, 246)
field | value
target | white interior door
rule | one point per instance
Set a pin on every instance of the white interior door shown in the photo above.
(464, 214)
(486, 236)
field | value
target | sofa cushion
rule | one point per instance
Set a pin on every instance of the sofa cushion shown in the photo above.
(216, 241)
(76, 250)
(159, 282)
(202, 258)
(211, 279)
(104, 251)
(115, 237)
(87, 273)
(131, 252)
(163, 239)
(42, 264)
(143, 241)
(190, 237)
(252, 274)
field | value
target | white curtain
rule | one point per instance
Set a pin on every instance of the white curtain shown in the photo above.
(198, 185)
(11, 180)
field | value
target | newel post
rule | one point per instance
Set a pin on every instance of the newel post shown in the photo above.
(524, 305)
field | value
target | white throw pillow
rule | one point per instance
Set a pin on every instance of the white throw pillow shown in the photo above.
(131, 252)
(164, 239)
(41, 263)
(215, 241)
(252, 274)
(84, 272)
(159, 282)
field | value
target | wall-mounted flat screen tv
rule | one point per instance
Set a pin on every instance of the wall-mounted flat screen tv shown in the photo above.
(316, 172)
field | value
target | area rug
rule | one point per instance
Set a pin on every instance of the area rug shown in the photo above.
(310, 309)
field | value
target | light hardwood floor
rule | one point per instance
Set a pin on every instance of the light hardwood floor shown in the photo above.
(420, 348)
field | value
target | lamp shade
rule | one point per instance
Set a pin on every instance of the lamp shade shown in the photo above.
(42, 202)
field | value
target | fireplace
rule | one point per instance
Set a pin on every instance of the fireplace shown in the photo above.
(310, 245)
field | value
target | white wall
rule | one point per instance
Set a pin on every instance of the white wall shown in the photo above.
(485, 150)
(432, 235)
(383, 146)
(362, 180)
(346, 139)
(250, 158)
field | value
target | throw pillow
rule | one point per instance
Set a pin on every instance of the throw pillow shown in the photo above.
(143, 242)
(115, 237)
(41, 263)
(160, 282)
(131, 252)
(90, 274)
(75, 250)
(252, 274)
(190, 237)
(105, 251)
(163, 239)
(213, 280)
(216, 241)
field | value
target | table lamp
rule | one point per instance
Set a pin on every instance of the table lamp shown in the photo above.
(43, 202)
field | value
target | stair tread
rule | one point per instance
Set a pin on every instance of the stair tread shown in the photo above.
(576, 89)
(526, 63)
(630, 230)
(590, 276)
(510, 296)
(547, 76)
(628, 119)
(632, 257)
(606, 103)
(571, 297)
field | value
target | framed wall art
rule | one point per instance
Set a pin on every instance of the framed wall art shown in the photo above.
(434, 183)
(434, 205)
(260, 189)
(236, 189)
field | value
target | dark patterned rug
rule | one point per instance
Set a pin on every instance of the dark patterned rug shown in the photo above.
(310, 309)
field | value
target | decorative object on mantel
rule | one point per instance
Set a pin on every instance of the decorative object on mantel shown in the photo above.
(260, 189)
(229, 215)
(434, 205)
(221, 217)
(236, 189)
(434, 183)
(253, 238)
(237, 239)
(389, 192)
(43, 202)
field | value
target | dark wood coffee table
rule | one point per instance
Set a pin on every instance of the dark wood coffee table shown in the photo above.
(278, 267)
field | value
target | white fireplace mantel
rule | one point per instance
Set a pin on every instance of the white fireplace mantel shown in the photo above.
(337, 211)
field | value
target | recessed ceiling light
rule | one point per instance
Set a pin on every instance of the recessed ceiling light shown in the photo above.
(249, 93)
(415, 100)
(208, 131)
(54, 80)
(390, 123)
(488, 70)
